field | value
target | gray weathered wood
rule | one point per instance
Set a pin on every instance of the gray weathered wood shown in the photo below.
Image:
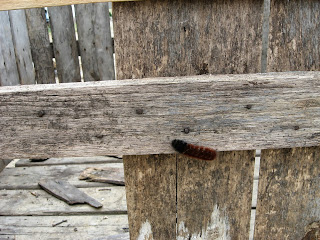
(69, 161)
(288, 184)
(174, 38)
(103, 175)
(151, 194)
(289, 192)
(64, 44)
(96, 50)
(8, 67)
(40, 45)
(4, 163)
(67, 192)
(294, 36)
(214, 197)
(187, 37)
(20, 4)
(28, 178)
(22, 46)
(99, 118)
(41, 203)
(86, 227)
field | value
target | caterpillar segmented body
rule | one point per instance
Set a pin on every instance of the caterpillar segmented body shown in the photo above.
(194, 151)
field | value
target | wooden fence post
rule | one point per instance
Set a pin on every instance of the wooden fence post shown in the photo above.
(288, 199)
(174, 38)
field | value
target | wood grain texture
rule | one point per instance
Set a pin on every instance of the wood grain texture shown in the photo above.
(174, 38)
(69, 161)
(96, 45)
(22, 46)
(102, 118)
(66, 192)
(40, 203)
(28, 177)
(151, 196)
(289, 192)
(214, 198)
(64, 44)
(40, 45)
(9, 74)
(21, 4)
(288, 185)
(294, 36)
(77, 227)
(187, 37)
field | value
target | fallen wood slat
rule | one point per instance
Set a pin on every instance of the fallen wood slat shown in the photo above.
(68, 193)
(76, 227)
(69, 161)
(104, 175)
(276, 110)
(40, 203)
(28, 178)
(20, 4)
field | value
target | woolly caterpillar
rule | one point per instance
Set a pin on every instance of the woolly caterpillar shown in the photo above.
(194, 151)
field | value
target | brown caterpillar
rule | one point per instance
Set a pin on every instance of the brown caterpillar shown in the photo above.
(194, 151)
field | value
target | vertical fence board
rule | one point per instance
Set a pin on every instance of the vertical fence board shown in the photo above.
(64, 44)
(22, 46)
(289, 193)
(40, 45)
(180, 37)
(202, 39)
(288, 198)
(93, 24)
(294, 38)
(214, 198)
(8, 68)
(151, 189)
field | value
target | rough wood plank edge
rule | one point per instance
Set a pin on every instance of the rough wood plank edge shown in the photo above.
(23, 4)
(69, 161)
(76, 227)
(278, 110)
(41, 203)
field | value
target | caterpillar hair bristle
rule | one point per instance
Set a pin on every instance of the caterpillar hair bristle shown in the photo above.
(194, 151)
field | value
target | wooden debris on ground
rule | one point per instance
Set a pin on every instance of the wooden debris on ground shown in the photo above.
(70, 161)
(68, 193)
(105, 175)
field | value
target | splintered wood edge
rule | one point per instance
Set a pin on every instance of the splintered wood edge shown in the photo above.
(24, 4)
(229, 112)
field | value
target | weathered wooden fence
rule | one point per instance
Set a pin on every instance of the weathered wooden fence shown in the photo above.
(34, 47)
(170, 196)
(27, 53)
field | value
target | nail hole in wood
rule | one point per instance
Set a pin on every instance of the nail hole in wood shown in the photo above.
(139, 111)
(248, 106)
(186, 130)
(41, 113)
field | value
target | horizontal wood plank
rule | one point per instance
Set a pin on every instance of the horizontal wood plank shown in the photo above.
(28, 178)
(75, 227)
(69, 161)
(277, 110)
(41, 203)
(21, 4)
